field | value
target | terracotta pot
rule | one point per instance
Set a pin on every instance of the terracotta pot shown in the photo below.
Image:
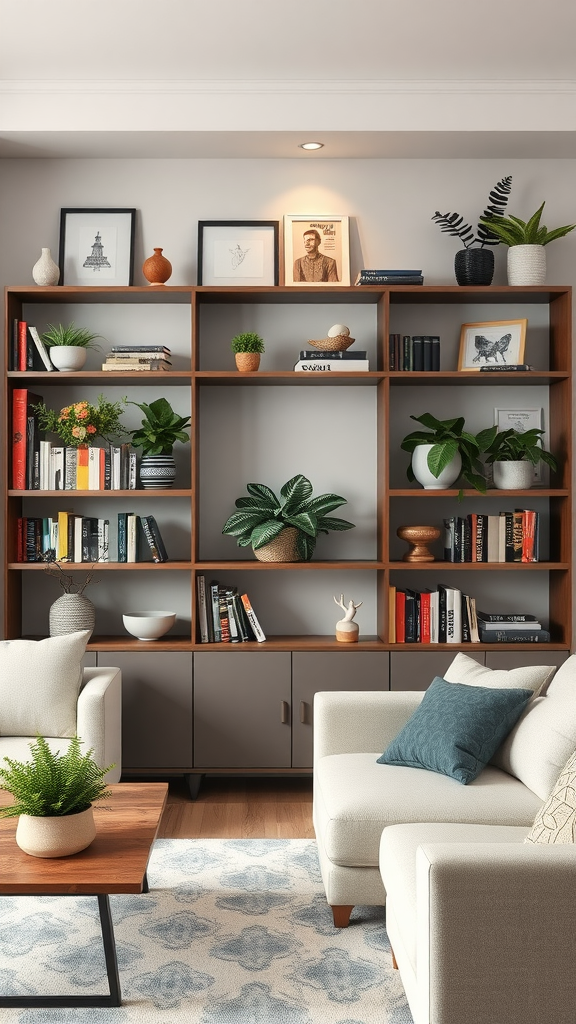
(56, 837)
(157, 269)
(247, 362)
(281, 549)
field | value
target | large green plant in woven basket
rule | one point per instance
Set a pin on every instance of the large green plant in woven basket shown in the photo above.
(262, 517)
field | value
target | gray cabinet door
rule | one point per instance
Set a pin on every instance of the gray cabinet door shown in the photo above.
(156, 709)
(242, 714)
(415, 670)
(356, 670)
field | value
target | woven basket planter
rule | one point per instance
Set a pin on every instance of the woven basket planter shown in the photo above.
(281, 549)
(247, 362)
(337, 344)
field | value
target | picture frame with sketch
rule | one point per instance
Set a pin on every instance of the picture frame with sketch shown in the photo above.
(316, 250)
(238, 252)
(97, 247)
(492, 343)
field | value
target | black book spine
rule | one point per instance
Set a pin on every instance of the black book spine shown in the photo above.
(392, 352)
(465, 620)
(30, 540)
(410, 618)
(158, 538)
(449, 539)
(435, 353)
(122, 537)
(495, 617)
(86, 539)
(417, 353)
(511, 636)
(215, 609)
(150, 539)
(509, 537)
(481, 537)
(427, 352)
(406, 352)
(442, 614)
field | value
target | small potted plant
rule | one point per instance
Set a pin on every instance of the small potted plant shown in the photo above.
(68, 345)
(53, 796)
(525, 241)
(284, 530)
(247, 348)
(442, 453)
(513, 454)
(157, 435)
(474, 265)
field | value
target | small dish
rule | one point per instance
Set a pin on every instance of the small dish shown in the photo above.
(149, 625)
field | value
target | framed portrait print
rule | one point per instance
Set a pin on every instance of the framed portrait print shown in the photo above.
(97, 247)
(316, 250)
(238, 252)
(494, 343)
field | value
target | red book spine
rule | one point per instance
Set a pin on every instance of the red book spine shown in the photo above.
(400, 617)
(528, 535)
(22, 345)
(425, 618)
(19, 424)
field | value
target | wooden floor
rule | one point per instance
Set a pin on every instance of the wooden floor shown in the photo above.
(240, 808)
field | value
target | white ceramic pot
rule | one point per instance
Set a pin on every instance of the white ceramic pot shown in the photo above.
(424, 475)
(68, 357)
(526, 264)
(56, 837)
(513, 476)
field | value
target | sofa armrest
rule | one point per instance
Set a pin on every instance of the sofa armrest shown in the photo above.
(495, 931)
(99, 719)
(347, 722)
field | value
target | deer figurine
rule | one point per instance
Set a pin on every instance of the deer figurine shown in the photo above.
(347, 630)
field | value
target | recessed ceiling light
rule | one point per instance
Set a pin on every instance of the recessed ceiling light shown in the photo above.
(311, 145)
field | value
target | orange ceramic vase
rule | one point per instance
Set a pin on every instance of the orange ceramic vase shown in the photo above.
(157, 269)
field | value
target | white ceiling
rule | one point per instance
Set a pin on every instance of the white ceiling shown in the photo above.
(371, 78)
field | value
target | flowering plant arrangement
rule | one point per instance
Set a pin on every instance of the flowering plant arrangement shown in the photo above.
(82, 423)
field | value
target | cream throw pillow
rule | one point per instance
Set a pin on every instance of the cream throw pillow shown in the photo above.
(556, 819)
(40, 683)
(467, 671)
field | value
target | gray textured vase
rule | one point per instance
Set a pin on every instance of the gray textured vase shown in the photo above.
(70, 613)
(157, 471)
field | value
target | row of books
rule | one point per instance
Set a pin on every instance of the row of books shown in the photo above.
(448, 616)
(224, 615)
(127, 358)
(27, 351)
(74, 538)
(418, 352)
(507, 537)
(389, 277)
(320, 361)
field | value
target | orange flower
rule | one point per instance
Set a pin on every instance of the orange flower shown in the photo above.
(90, 429)
(81, 414)
(78, 432)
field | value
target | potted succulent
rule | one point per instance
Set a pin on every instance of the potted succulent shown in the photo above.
(284, 530)
(247, 348)
(68, 345)
(514, 454)
(474, 265)
(53, 796)
(526, 241)
(159, 431)
(442, 453)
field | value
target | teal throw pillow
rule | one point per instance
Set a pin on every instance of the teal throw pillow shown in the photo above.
(456, 729)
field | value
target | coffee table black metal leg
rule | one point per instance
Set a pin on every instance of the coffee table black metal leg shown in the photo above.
(109, 950)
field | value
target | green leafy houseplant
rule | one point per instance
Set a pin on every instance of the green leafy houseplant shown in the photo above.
(484, 233)
(79, 337)
(82, 423)
(447, 438)
(248, 342)
(513, 231)
(514, 446)
(53, 784)
(262, 516)
(160, 429)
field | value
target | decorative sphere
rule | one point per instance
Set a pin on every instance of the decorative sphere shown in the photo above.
(338, 329)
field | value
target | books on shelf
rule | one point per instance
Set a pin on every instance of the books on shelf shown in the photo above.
(224, 615)
(40, 348)
(124, 358)
(512, 536)
(52, 467)
(318, 353)
(418, 352)
(516, 636)
(505, 367)
(23, 402)
(332, 365)
(506, 617)
(67, 537)
(389, 277)
(153, 538)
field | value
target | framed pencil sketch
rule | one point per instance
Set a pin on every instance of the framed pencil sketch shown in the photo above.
(494, 343)
(238, 252)
(521, 420)
(316, 250)
(97, 247)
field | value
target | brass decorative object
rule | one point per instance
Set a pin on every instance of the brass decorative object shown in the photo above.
(418, 537)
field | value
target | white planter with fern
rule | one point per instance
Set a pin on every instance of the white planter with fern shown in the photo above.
(526, 265)
(60, 836)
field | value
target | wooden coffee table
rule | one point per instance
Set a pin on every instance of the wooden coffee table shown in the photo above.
(115, 862)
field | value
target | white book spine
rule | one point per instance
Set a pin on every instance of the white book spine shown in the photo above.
(45, 449)
(252, 619)
(93, 469)
(332, 365)
(131, 530)
(77, 538)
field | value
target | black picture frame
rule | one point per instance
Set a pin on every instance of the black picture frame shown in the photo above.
(217, 242)
(84, 230)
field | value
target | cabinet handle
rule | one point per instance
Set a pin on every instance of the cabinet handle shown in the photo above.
(284, 712)
(303, 707)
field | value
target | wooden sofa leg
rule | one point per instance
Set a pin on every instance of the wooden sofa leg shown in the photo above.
(394, 964)
(341, 916)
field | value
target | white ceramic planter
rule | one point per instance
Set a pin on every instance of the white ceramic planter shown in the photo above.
(423, 474)
(513, 476)
(526, 264)
(56, 837)
(68, 357)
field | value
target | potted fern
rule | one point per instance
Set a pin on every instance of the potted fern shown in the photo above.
(247, 348)
(474, 265)
(525, 241)
(284, 530)
(53, 797)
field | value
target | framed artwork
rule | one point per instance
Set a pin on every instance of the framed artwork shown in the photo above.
(238, 252)
(521, 420)
(97, 247)
(316, 250)
(494, 343)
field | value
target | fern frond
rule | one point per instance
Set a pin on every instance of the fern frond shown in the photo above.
(497, 201)
(454, 224)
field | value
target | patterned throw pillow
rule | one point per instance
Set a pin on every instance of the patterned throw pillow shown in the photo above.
(556, 819)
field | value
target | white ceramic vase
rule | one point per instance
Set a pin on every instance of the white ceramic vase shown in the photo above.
(45, 272)
(68, 357)
(424, 475)
(526, 264)
(513, 476)
(55, 837)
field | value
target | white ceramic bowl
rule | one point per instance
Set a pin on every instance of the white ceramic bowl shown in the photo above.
(149, 625)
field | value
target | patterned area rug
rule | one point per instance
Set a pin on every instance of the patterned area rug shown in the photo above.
(232, 932)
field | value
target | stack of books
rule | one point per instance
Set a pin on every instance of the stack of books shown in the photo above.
(441, 616)
(506, 537)
(319, 361)
(418, 352)
(75, 538)
(225, 616)
(389, 277)
(516, 628)
(124, 358)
